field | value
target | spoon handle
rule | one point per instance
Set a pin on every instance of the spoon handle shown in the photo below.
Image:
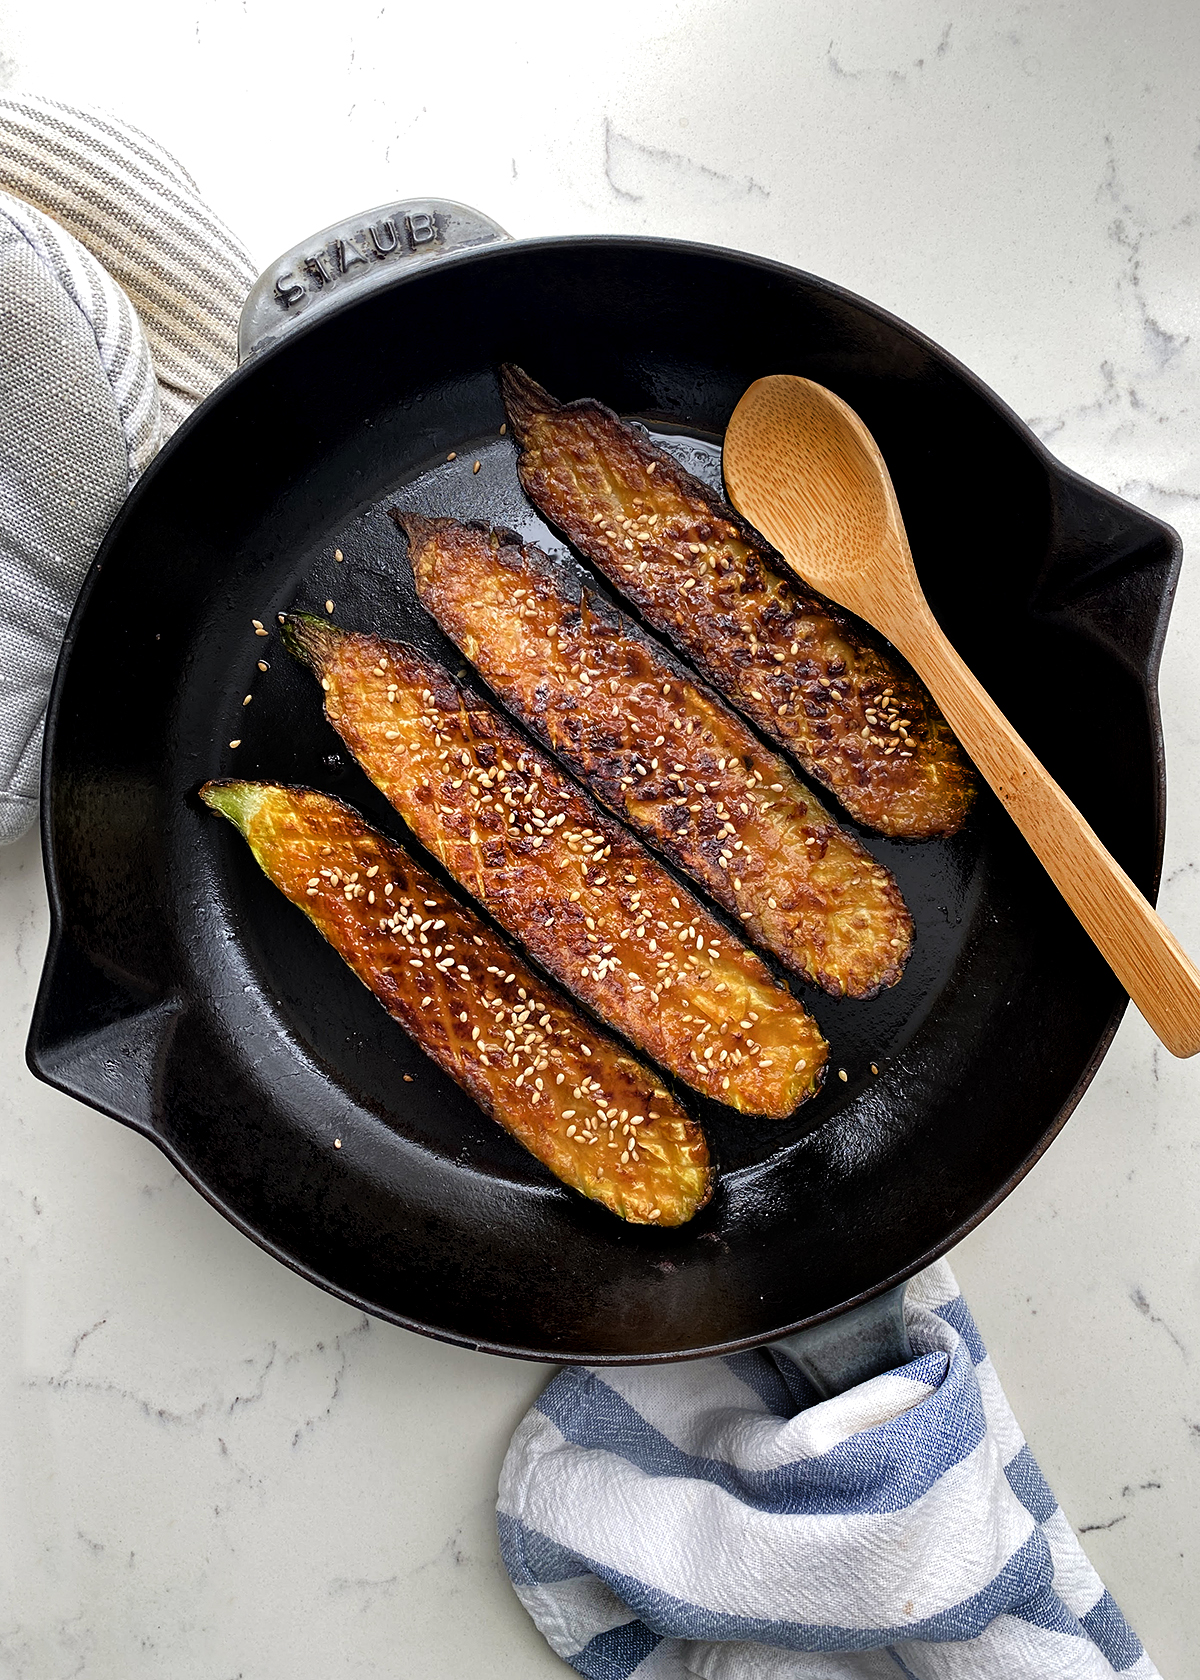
(1136, 943)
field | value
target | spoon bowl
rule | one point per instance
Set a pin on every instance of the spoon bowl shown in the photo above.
(814, 475)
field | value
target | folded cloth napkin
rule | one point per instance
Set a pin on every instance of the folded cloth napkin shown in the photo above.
(716, 1521)
(93, 215)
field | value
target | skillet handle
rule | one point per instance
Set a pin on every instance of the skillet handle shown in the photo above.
(362, 253)
(854, 1347)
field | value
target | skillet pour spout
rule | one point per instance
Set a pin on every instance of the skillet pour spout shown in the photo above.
(185, 998)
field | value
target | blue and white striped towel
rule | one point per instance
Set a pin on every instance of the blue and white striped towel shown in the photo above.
(714, 1521)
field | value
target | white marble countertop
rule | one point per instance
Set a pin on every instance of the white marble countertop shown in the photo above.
(212, 1471)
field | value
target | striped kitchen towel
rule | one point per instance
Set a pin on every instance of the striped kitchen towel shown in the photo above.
(119, 297)
(79, 421)
(138, 211)
(715, 1521)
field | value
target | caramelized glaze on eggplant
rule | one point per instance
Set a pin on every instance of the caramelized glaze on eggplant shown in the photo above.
(664, 752)
(583, 896)
(809, 675)
(574, 1098)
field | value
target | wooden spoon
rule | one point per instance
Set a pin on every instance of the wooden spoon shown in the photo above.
(802, 468)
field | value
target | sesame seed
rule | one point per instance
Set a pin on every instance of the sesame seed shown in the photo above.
(263, 666)
(337, 1143)
(329, 606)
(338, 555)
(843, 1075)
(235, 743)
(453, 455)
(247, 700)
(477, 466)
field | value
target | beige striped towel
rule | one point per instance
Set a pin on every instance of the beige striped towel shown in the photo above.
(140, 214)
(87, 202)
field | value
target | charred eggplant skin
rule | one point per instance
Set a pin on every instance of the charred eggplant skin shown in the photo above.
(586, 899)
(809, 675)
(575, 1099)
(612, 703)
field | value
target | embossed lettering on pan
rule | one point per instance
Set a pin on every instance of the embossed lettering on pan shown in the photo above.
(372, 242)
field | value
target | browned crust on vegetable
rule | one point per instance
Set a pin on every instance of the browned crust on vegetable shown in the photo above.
(580, 893)
(664, 752)
(573, 1097)
(811, 676)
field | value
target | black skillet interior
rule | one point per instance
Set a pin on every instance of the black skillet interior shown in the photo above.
(184, 996)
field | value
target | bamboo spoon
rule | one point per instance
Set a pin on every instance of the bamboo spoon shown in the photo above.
(802, 467)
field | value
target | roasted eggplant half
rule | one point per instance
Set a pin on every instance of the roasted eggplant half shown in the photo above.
(809, 675)
(610, 701)
(596, 1117)
(587, 900)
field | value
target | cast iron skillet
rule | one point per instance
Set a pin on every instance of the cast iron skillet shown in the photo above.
(184, 996)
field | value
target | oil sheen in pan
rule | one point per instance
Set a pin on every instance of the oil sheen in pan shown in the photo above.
(371, 587)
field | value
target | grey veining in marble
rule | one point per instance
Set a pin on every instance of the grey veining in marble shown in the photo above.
(212, 1471)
